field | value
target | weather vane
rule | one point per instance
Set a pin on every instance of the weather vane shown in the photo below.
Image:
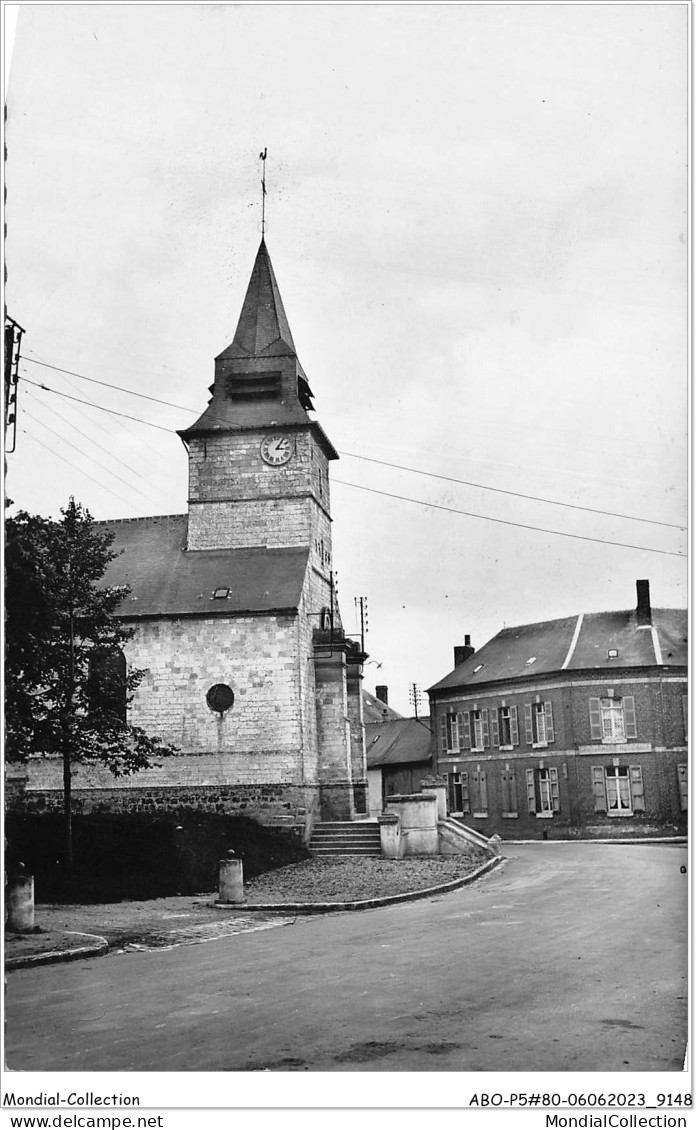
(262, 157)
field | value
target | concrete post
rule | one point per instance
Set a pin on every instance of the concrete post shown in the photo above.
(20, 904)
(390, 835)
(231, 880)
(436, 786)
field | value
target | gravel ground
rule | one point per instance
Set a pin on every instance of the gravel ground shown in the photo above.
(350, 879)
(160, 921)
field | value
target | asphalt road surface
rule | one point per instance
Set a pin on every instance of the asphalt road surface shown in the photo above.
(570, 957)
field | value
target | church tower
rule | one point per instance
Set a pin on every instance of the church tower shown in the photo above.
(258, 462)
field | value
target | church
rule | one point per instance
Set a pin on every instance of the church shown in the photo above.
(248, 671)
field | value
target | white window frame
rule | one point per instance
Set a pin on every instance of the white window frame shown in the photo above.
(618, 773)
(548, 792)
(613, 720)
(452, 724)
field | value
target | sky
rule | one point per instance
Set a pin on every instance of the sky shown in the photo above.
(477, 216)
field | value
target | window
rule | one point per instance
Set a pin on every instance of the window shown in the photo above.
(459, 792)
(683, 780)
(618, 789)
(612, 720)
(479, 794)
(543, 798)
(450, 731)
(220, 698)
(504, 729)
(508, 787)
(465, 730)
(477, 729)
(107, 690)
(685, 715)
(538, 723)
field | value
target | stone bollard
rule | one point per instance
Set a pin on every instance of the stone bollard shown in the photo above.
(231, 879)
(20, 903)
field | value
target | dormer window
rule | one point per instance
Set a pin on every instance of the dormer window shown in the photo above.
(221, 593)
(613, 653)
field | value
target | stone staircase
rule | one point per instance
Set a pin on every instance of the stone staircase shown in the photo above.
(346, 837)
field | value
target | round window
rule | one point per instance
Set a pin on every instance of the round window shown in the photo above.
(220, 698)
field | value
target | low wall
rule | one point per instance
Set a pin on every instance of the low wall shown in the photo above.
(418, 819)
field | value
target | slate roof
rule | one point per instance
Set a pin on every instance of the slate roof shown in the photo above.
(509, 655)
(374, 710)
(398, 741)
(168, 580)
(391, 739)
(263, 329)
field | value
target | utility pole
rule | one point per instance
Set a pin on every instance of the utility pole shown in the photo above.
(13, 341)
(361, 604)
(415, 697)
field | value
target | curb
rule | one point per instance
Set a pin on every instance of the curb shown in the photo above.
(97, 945)
(676, 840)
(363, 904)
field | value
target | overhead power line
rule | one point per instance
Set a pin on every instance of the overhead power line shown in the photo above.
(70, 463)
(507, 521)
(347, 454)
(513, 493)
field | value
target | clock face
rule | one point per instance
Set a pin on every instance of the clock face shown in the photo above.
(276, 449)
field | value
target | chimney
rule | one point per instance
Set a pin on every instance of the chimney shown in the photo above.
(643, 610)
(382, 693)
(463, 651)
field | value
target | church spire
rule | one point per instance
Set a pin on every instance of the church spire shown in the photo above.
(263, 329)
(259, 382)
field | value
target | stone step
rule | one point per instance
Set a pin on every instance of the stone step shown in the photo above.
(354, 825)
(352, 850)
(346, 841)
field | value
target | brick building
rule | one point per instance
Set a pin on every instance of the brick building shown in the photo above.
(569, 727)
(248, 671)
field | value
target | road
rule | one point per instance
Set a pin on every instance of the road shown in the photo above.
(570, 957)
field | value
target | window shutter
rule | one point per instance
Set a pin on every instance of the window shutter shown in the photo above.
(443, 733)
(512, 787)
(514, 728)
(637, 794)
(555, 796)
(548, 710)
(485, 739)
(595, 723)
(483, 792)
(629, 705)
(495, 731)
(600, 792)
(685, 714)
(465, 792)
(531, 799)
(505, 791)
(528, 728)
(467, 731)
(683, 779)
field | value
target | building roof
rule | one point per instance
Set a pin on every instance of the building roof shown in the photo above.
(263, 329)
(391, 739)
(576, 643)
(166, 579)
(374, 710)
(259, 382)
(398, 741)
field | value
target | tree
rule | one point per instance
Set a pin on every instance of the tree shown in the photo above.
(66, 681)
